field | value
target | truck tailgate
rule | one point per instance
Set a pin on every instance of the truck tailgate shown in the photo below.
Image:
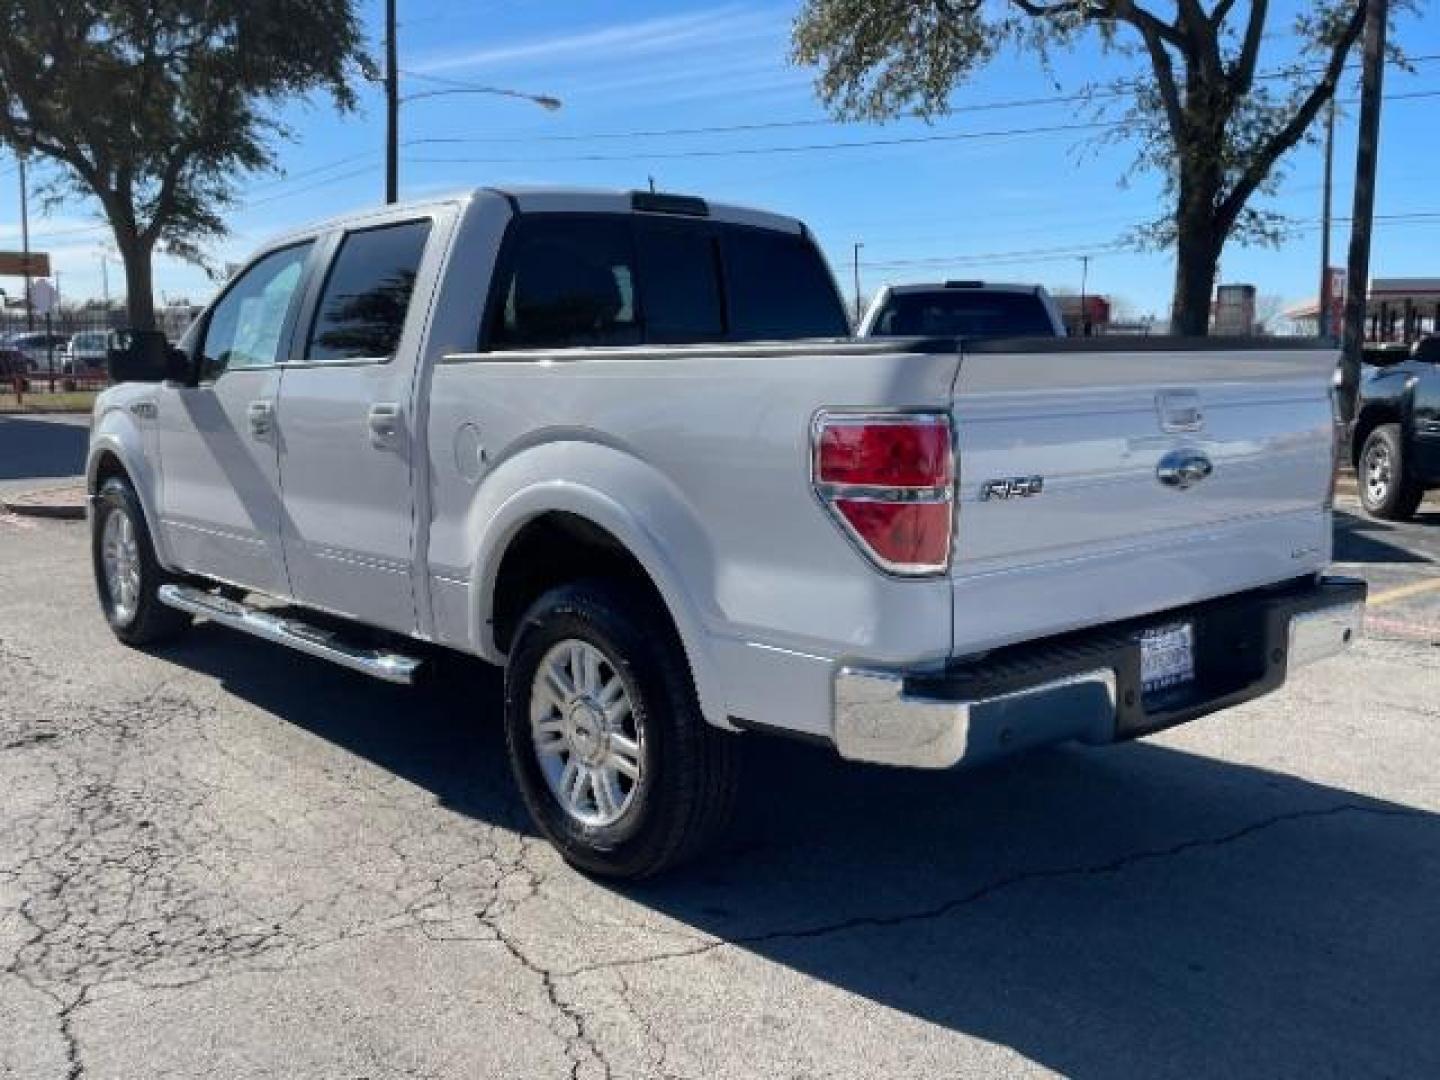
(1100, 483)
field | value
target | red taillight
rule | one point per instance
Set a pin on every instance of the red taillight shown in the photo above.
(905, 454)
(889, 479)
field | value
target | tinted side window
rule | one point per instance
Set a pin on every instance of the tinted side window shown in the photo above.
(779, 288)
(566, 281)
(679, 282)
(367, 293)
(245, 327)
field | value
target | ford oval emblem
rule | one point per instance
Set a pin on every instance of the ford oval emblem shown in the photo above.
(1183, 468)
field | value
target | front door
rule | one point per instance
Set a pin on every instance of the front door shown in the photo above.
(219, 494)
(347, 434)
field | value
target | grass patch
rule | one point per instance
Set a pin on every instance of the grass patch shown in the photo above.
(73, 401)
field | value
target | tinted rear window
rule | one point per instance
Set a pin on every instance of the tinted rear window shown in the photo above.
(964, 313)
(680, 282)
(568, 280)
(779, 288)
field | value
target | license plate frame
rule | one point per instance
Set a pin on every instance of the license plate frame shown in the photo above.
(1167, 657)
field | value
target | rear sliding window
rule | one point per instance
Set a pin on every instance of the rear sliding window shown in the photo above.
(964, 313)
(570, 280)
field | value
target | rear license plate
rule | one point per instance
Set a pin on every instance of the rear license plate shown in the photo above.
(1167, 657)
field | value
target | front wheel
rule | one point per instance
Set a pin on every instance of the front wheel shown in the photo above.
(127, 575)
(1386, 489)
(615, 762)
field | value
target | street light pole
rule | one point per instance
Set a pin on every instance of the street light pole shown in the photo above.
(392, 107)
(25, 240)
(856, 260)
(1367, 152)
(1084, 281)
(1322, 316)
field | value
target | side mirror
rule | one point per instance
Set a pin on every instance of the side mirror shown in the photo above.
(145, 356)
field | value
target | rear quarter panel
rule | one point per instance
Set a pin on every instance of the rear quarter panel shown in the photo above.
(698, 460)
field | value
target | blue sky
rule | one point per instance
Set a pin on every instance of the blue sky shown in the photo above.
(973, 202)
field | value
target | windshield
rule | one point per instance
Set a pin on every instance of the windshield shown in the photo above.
(964, 313)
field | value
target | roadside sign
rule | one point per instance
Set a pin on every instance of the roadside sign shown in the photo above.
(43, 296)
(13, 264)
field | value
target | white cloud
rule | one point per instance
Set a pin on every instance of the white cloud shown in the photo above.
(647, 36)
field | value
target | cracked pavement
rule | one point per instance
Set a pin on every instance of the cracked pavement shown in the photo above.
(225, 860)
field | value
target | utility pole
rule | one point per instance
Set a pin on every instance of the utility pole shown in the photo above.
(25, 240)
(1084, 280)
(1322, 316)
(856, 260)
(1367, 153)
(392, 107)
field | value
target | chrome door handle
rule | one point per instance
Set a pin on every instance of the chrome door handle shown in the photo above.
(261, 415)
(384, 421)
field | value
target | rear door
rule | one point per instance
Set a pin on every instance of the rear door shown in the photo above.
(1100, 481)
(348, 429)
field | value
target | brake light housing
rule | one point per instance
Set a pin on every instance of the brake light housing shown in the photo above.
(888, 481)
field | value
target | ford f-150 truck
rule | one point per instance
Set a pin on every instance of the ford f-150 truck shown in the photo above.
(621, 444)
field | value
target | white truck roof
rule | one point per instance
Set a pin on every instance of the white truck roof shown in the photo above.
(554, 199)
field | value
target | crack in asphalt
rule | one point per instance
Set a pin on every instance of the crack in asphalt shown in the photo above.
(126, 874)
(989, 889)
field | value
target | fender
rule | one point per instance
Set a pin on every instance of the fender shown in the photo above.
(116, 431)
(652, 521)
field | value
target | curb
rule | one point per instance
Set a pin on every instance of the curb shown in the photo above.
(57, 504)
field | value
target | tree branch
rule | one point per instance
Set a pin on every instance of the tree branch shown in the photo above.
(1147, 22)
(1283, 140)
(1242, 76)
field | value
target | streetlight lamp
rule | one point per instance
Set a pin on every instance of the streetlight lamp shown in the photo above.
(393, 100)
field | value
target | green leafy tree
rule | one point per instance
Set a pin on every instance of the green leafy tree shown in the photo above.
(157, 108)
(1201, 111)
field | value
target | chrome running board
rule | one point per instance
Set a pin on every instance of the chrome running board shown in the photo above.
(390, 666)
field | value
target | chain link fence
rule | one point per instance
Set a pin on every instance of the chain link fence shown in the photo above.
(66, 350)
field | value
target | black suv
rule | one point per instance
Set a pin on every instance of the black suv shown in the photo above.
(1396, 440)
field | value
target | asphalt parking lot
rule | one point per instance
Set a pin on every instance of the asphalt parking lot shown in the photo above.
(226, 860)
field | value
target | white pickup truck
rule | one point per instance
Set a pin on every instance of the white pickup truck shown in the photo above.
(621, 444)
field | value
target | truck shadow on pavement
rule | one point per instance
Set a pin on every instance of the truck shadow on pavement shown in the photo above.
(41, 449)
(1136, 911)
(1361, 540)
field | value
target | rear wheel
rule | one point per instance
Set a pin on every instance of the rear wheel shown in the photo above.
(127, 575)
(616, 764)
(1386, 490)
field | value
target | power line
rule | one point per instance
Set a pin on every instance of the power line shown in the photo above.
(780, 125)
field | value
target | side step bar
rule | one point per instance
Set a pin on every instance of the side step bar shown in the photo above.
(390, 666)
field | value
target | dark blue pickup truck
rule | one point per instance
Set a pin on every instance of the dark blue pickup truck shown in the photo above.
(1396, 440)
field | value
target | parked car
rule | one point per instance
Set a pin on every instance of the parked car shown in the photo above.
(85, 354)
(40, 348)
(13, 366)
(964, 309)
(1395, 442)
(621, 444)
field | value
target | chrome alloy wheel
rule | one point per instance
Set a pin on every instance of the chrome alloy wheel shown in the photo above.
(120, 555)
(587, 738)
(1379, 471)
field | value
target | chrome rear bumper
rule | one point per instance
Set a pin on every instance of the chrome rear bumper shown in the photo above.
(1086, 686)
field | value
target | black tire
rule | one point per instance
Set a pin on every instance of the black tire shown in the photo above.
(689, 778)
(1388, 490)
(145, 620)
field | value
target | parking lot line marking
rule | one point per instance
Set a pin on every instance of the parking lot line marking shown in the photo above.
(1415, 588)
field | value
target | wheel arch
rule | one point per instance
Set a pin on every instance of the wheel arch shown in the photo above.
(595, 536)
(1388, 411)
(116, 451)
